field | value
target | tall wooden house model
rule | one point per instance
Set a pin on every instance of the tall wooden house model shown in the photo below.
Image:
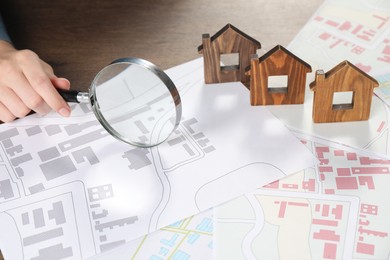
(229, 42)
(344, 79)
(286, 69)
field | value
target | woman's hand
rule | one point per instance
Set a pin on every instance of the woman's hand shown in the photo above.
(28, 83)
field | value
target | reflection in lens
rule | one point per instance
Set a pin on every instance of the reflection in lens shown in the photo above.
(134, 104)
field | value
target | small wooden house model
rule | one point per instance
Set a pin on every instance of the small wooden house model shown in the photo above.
(342, 94)
(227, 43)
(282, 68)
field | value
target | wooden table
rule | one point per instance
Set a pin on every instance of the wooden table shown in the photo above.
(79, 37)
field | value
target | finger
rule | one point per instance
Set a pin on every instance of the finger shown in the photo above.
(41, 83)
(42, 109)
(61, 83)
(13, 103)
(5, 115)
(28, 96)
(57, 82)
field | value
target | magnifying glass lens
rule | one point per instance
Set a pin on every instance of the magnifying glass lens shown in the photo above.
(135, 102)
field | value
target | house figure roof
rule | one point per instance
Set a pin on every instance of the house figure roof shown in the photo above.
(339, 69)
(235, 29)
(277, 49)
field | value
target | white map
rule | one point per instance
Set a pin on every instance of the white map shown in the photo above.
(70, 190)
(340, 208)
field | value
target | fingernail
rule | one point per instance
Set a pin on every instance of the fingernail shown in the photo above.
(64, 112)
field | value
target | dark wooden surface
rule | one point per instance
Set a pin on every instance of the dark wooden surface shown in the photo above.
(79, 37)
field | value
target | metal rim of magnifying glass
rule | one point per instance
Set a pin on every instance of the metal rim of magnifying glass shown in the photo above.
(160, 74)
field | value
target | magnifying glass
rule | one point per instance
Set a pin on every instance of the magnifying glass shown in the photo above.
(134, 101)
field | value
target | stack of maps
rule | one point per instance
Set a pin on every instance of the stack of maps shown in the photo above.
(232, 182)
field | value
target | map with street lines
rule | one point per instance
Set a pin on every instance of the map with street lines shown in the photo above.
(68, 189)
(191, 238)
(338, 209)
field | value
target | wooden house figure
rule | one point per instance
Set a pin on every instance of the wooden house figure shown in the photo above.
(288, 70)
(342, 94)
(229, 42)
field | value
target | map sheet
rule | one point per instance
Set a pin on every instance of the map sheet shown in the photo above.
(358, 31)
(338, 209)
(191, 238)
(70, 190)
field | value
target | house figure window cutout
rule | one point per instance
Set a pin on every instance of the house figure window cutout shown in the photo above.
(228, 42)
(277, 84)
(342, 100)
(347, 79)
(288, 68)
(230, 61)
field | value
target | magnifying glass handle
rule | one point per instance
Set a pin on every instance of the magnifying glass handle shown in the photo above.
(74, 96)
